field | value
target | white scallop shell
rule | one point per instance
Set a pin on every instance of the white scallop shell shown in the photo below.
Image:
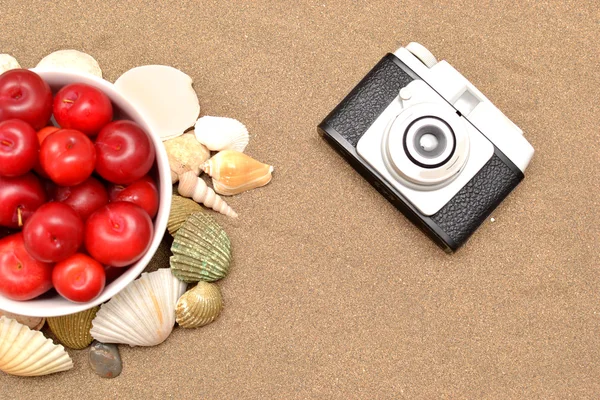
(221, 133)
(8, 62)
(164, 95)
(143, 314)
(72, 60)
(25, 352)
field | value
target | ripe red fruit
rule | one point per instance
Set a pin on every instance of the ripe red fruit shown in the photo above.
(143, 192)
(82, 107)
(18, 147)
(45, 132)
(79, 278)
(68, 157)
(19, 197)
(41, 135)
(84, 198)
(118, 234)
(53, 233)
(25, 96)
(23, 277)
(124, 152)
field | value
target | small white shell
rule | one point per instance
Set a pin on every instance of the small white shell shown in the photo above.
(221, 133)
(24, 352)
(8, 62)
(72, 60)
(165, 96)
(143, 314)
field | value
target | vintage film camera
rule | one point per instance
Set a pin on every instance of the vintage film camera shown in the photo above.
(430, 142)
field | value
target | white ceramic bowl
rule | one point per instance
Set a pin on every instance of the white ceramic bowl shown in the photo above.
(53, 306)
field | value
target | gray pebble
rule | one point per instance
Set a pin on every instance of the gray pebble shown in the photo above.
(105, 359)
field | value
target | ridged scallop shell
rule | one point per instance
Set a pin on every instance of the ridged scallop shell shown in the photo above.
(35, 323)
(73, 330)
(181, 209)
(164, 95)
(71, 60)
(199, 306)
(143, 314)
(25, 352)
(221, 133)
(8, 62)
(201, 250)
(188, 151)
(234, 172)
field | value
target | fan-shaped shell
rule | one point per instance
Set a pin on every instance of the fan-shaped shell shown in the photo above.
(187, 150)
(25, 352)
(199, 306)
(181, 209)
(201, 250)
(221, 133)
(164, 95)
(143, 314)
(72, 60)
(8, 62)
(74, 330)
(35, 323)
(234, 172)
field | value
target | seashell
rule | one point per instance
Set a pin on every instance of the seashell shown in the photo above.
(74, 330)
(181, 209)
(165, 95)
(201, 250)
(25, 352)
(72, 60)
(188, 151)
(234, 172)
(192, 186)
(143, 314)
(199, 306)
(34, 323)
(8, 62)
(221, 133)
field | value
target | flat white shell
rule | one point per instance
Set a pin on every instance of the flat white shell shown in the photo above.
(25, 352)
(72, 60)
(8, 62)
(164, 95)
(142, 314)
(221, 133)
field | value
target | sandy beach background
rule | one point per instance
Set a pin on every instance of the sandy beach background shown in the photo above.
(333, 293)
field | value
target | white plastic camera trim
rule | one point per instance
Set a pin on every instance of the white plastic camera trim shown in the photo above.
(458, 91)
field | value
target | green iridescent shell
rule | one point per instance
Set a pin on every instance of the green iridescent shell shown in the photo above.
(201, 250)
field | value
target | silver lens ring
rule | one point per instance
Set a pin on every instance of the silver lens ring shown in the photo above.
(442, 136)
(429, 142)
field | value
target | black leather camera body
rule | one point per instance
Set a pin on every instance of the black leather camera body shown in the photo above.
(430, 142)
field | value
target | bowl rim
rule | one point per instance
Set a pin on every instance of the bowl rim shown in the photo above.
(57, 305)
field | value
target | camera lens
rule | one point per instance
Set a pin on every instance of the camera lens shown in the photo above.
(429, 142)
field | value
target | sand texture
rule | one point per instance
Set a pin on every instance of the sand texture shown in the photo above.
(333, 293)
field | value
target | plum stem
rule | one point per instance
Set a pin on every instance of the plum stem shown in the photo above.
(19, 217)
(68, 101)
